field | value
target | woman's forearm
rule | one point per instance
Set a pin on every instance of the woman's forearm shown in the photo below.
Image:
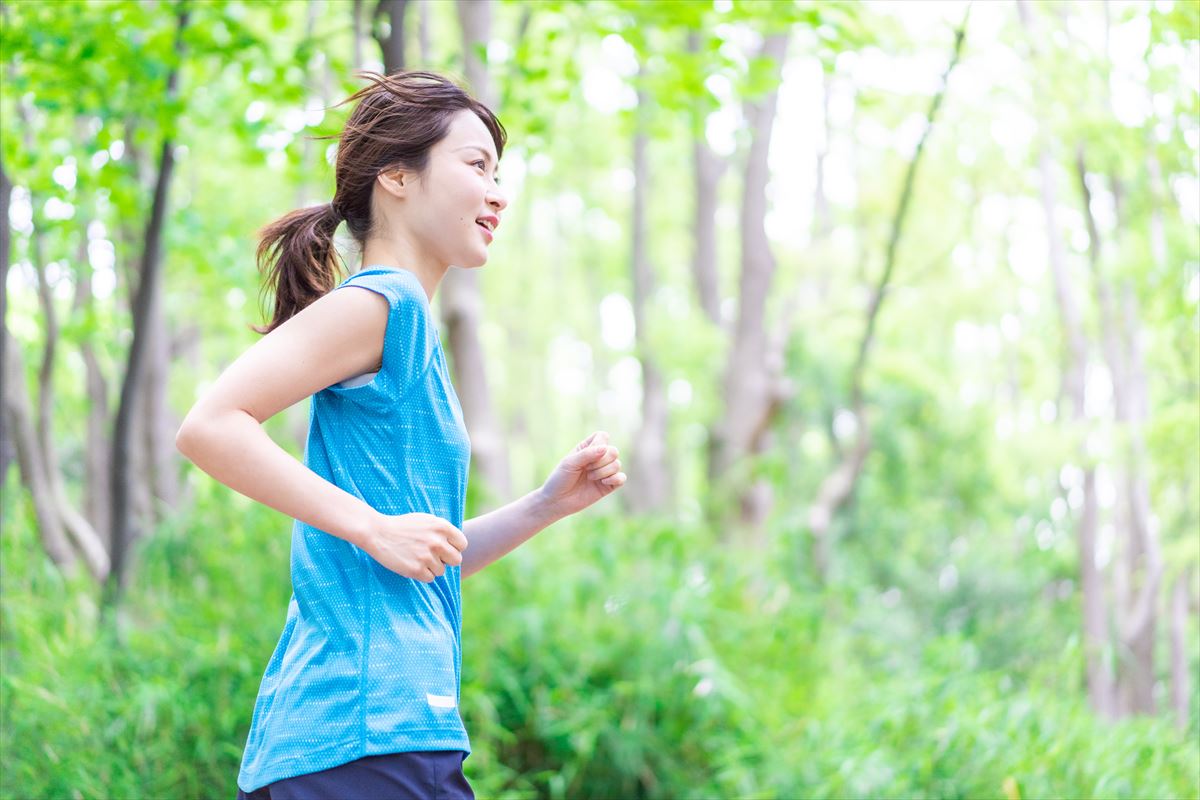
(497, 533)
(234, 449)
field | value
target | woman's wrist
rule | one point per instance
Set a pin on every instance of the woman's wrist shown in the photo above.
(361, 526)
(546, 512)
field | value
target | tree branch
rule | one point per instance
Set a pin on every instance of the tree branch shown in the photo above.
(880, 291)
(839, 484)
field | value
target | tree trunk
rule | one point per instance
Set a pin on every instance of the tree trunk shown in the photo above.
(475, 25)
(1074, 357)
(18, 420)
(96, 478)
(8, 450)
(1141, 561)
(85, 538)
(708, 168)
(391, 43)
(1141, 622)
(149, 269)
(356, 28)
(19, 425)
(1158, 230)
(424, 51)
(78, 529)
(822, 216)
(130, 255)
(158, 486)
(1101, 682)
(832, 494)
(45, 378)
(162, 459)
(648, 457)
(462, 305)
(1181, 678)
(751, 397)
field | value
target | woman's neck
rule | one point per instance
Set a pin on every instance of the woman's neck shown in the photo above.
(401, 255)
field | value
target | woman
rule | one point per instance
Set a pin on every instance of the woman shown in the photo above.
(360, 698)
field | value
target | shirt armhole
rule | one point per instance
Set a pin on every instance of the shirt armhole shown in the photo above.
(402, 357)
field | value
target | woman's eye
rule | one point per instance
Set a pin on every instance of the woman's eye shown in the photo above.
(483, 166)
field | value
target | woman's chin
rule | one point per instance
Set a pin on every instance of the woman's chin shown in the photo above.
(476, 261)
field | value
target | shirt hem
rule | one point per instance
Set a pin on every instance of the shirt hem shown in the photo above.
(344, 752)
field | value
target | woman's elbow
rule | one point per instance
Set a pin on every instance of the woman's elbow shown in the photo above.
(203, 426)
(185, 439)
(191, 432)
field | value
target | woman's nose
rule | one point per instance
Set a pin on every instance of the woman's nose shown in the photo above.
(497, 199)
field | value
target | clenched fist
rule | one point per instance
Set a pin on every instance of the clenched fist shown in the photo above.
(418, 546)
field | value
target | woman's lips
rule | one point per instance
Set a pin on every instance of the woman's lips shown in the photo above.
(486, 232)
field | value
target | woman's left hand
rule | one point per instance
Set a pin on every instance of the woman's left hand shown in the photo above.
(589, 472)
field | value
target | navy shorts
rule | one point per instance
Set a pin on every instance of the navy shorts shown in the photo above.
(417, 775)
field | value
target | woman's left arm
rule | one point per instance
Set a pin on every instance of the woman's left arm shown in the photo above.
(590, 472)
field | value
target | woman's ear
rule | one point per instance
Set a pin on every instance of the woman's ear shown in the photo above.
(395, 182)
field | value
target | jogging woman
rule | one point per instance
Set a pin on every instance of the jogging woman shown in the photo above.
(361, 696)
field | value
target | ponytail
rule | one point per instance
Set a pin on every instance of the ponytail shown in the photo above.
(298, 260)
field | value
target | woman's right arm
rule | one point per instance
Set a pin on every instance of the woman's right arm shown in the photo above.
(336, 337)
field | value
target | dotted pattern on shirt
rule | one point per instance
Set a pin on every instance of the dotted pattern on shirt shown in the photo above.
(369, 661)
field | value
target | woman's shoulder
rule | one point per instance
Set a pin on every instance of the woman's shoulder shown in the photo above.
(410, 335)
(401, 287)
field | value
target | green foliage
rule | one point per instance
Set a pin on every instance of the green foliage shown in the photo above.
(161, 711)
(647, 656)
(607, 658)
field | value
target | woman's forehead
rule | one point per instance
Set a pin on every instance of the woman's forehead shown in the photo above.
(468, 131)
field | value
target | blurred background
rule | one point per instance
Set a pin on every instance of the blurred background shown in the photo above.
(893, 309)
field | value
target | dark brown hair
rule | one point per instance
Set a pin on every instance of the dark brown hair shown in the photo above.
(398, 119)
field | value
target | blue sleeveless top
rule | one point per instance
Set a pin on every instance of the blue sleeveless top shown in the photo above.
(369, 662)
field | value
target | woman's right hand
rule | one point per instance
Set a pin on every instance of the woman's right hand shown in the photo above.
(417, 546)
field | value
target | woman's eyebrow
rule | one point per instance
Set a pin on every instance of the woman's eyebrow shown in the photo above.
(486, 154)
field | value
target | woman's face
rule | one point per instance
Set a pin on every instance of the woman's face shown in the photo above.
(443, 208)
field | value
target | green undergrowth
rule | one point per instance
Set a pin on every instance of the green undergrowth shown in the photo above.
(606, 658)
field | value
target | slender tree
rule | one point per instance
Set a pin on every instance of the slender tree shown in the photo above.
(1100, 679)
(1138, 573)
(839, 484)
(651, 492)
(462, 305)
(391, 41)
(707, 167)
(752, 394)
(149, 270)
